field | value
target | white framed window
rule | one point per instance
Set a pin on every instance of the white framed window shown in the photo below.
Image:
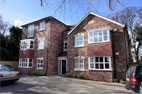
(40, 63)
(25, 62)
(40, 44)
(30, 34)
(65, 46)
(98, 36)
(31, 27)
(42, 25)
(27, 44)
(79, 64)
(79, 41)
(100, 63)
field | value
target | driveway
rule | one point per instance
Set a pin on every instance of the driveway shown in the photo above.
(61, 85)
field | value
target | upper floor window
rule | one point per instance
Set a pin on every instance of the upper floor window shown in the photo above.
(31, 28)
(40, 44)
(100, 63)
(42, 25)
(27, 44)
(79, 63)
(65, 46)
(25, 62)
(98, 36)
(79, 41)
(40, 63)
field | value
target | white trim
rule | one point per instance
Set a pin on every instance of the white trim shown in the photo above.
(40, 58)
(100, 30)
(60, 62)
(110, 63)
(79, 69)
(75, 41)
(40, 44)
(115, 22)
(23, 63)
(64, 46)
(41, 29)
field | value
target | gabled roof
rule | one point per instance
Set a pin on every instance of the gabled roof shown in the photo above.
(92, 13)
(49, 17)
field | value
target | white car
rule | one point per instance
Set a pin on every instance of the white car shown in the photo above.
(7, 74)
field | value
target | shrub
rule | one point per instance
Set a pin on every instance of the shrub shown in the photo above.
(36, 73)
(75, 75)
(116, 80)
(122, 81)
(69, 75)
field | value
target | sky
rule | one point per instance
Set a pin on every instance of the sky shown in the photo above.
(30, 10)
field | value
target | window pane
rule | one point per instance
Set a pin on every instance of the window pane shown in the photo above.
(105, 38)
(101, 59)
(96, 66)
(96, 40)
(101, 66)
(91, 59)
(100, 36)
(105, 32)
(91, 65)
(96, 59)
(106, 66)
(106, 59)
(90, 34)
(95, 34)
(81, 66)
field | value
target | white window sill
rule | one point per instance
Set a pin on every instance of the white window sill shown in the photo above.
(101, 69)
(79, 70)
(79, 46)
(26, 67)
(98, 42)
(27, 49)
(40, 68)
(40, 49)
(41, 30)
(65, 50)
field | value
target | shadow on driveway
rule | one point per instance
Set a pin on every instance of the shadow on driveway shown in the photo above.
(17, 88)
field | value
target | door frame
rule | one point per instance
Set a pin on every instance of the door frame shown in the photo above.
(60, 67)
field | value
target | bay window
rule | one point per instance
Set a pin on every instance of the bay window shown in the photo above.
(27, 44)
(100, 63)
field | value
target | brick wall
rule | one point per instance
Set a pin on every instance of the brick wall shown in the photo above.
(117, 44)
(55, 46)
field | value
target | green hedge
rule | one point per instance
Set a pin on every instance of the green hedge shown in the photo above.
(122, 81)
(36, 73)
(74, 75)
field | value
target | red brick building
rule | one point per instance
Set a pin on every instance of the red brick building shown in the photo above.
(97, 47)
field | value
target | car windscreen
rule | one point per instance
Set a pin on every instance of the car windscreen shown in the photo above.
(5, 68)
(139, 71)
(131, 70)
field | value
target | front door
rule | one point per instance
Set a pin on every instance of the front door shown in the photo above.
(62, 66)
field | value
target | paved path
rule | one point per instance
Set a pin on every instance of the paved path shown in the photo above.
(61, 85)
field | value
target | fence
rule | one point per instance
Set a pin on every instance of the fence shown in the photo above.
(13, 64)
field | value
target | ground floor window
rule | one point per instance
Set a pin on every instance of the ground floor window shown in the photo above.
(40, 63)
(25, 62)
(100, 63)
(79, 63)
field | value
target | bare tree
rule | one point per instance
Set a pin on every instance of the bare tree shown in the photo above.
(130, 16)
(89, 3)
(3, 26)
